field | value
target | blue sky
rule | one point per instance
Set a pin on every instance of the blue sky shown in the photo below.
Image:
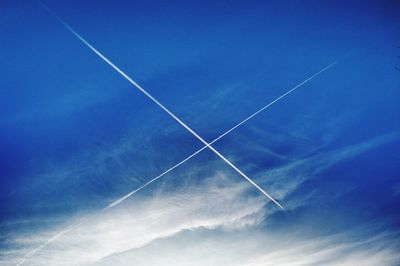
(75, 135)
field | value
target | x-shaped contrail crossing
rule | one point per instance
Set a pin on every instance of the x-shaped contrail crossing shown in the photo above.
(183, 124)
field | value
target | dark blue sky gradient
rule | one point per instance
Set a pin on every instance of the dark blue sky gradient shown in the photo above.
(74, 135)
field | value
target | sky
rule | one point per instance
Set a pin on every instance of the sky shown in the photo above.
(75, 135)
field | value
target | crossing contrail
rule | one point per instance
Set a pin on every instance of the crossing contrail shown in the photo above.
(159, 104)
(115, 203)
(207, 145)
(118, 201)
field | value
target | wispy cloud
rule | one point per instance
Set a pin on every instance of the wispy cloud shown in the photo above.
(259, 248)
(210, 205)
(217, 204)
(287, 178)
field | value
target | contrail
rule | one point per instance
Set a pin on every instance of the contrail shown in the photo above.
(115, 203)
(118, 201)
(141, 89)
(73, 226)
(48, 241)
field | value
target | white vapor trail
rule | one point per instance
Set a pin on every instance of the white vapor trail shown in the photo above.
(118, 201)
(50, 240)
(141, 89)
(207, 145)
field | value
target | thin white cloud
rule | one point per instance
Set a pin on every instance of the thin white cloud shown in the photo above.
(259, 248)
(287, 178)
(213, 204)
(218, 205)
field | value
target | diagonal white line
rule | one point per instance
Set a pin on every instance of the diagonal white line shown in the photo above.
(118, 201)
(50, 240)
(115, 203)
(141, 89)
(73, 226)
